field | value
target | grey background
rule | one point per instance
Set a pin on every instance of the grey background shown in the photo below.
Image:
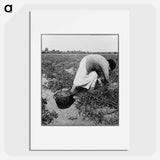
(91, 43)
(142, 82)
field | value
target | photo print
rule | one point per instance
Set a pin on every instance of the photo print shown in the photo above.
(80, 80)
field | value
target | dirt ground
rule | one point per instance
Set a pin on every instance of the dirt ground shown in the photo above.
(69, 116)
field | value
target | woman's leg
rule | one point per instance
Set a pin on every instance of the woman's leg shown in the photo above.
(93, 79)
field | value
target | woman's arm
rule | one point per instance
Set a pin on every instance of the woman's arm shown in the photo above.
(105, 69)
(73, 90)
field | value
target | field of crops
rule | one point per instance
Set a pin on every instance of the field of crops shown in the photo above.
(97, 107)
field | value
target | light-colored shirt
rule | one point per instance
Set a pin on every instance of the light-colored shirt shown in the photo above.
(89, 68)
(98, 63)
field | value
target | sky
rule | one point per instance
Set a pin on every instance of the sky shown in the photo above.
(91, 43)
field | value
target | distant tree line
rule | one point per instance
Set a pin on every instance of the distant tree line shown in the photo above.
(47, 51)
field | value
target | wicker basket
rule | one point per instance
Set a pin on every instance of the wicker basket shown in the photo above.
(64, 99)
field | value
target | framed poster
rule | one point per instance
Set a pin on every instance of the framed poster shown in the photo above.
(79, 80)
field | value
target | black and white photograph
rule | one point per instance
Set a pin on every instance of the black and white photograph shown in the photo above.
(80, 80)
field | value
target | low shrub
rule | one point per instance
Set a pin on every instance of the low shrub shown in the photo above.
(47, 117)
